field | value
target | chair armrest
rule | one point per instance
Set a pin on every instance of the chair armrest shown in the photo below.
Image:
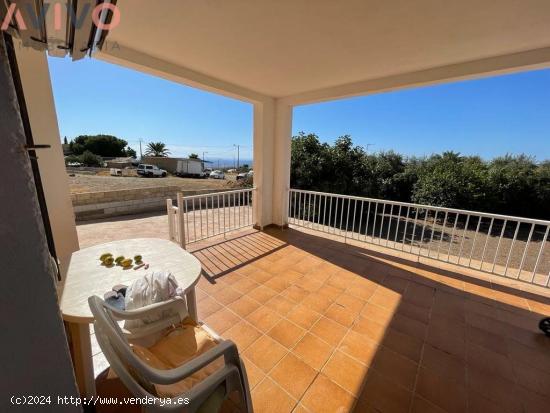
(176, 303)
(226, 348)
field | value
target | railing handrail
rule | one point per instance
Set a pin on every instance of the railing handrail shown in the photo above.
(432, 207)
(219, 193)
(376, 222)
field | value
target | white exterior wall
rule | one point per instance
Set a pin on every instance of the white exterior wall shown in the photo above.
(35, 354)
(35, 77)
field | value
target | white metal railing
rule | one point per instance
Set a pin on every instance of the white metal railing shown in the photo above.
(508, 246)
(199, 217)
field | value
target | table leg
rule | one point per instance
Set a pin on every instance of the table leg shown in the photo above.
(191, 298)
(82, 358)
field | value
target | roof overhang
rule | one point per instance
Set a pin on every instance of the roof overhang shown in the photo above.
(302, 51)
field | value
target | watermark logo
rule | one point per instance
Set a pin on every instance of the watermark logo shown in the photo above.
(35, 18)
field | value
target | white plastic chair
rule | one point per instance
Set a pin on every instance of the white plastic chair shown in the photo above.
(144, 379)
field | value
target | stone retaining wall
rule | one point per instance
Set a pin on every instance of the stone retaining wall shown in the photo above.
(96, 205)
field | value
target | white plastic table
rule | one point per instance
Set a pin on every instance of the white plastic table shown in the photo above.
(86, 277)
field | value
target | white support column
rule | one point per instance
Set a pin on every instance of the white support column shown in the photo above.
(35, 78)
(272, 133)
(281, 164)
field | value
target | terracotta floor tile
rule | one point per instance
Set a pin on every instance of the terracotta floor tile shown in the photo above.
(395, 367)
(532, 378)
(286, 333)
(421, 405)
(480, 404)
(201, 294)
(409, 326)
(489, 361)
(227, 295)
(222, 320)
(293, 375)
(533, 402)
(232, 277)
(295, 294)
(290, 276)
(362, 292)
(303, 316)
(313, 351)
(317, 302)
(330, 331)
(280, 305)
(300, 409)
(339, 281)
(263, 318)
(397, 284)
(254, 374)
(414, 312)
(346, 372)
(385, 298)
(329, 291)
(494, 388)
(444, 364)
(327, 397)
(534, 357)
(259, 275)
(261, 294)
(369, 328)
(268, 397)
(244, 285)
(242, 334)
(243, 306)
(486, 339)
(379, 314)
(265, 353)
(420, 295)
(340, 314)
(351, 302)
(448, 339)
(309, 284)
(403, 344)
(447, 394)
(207, 306)
(381, 395)
(359, 347)
(277, 284)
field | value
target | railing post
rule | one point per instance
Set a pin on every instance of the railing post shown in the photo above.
(181, 220)
(170, 214)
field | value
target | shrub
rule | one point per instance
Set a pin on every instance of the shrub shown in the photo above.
(90, 159)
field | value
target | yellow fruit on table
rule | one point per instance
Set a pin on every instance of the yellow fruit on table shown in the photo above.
(105, 256)
(108, 261)
(138, 258)
(119, 259)
(126, 263)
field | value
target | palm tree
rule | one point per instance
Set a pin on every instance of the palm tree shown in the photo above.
(157, 149)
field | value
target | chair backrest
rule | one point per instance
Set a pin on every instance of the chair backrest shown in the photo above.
(140, 378)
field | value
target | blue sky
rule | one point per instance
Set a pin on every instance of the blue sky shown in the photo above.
(488, 117)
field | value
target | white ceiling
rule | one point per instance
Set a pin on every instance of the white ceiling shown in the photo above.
(286, 47)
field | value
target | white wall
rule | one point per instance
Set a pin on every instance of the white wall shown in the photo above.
(35, 76)
(35, 358)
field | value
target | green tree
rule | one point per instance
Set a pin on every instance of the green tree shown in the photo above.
(131, 153)
(65, 142)
(451, 180)
(90, 159)
(193, 156)
(157, 149)
(512, 180)
(102, 145)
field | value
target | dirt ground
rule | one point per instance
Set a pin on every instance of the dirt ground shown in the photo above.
(80, 183)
